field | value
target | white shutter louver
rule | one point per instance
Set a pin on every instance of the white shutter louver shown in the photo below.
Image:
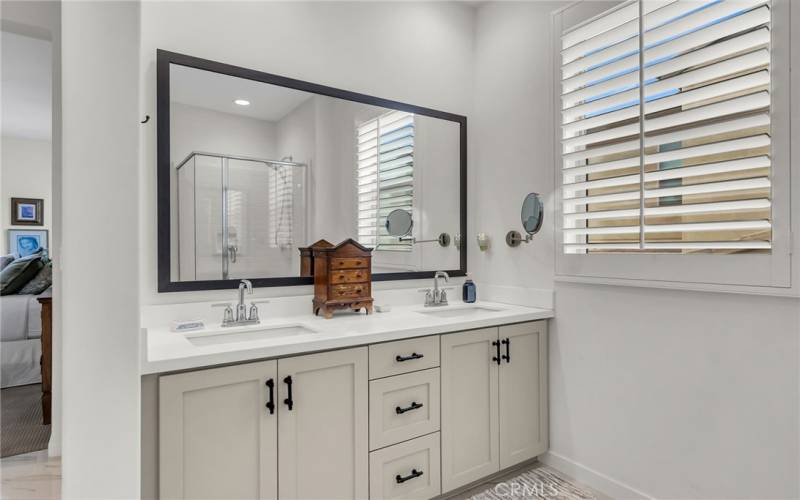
(385, 149)
(682, 165)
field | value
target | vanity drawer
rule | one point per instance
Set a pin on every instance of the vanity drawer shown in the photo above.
(349, 276)
(349, 291)
(409, 470)
(403, 407)
(349, 263)
(403, 356)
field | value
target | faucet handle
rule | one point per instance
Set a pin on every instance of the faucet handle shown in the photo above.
(227, 315)
(253, 316)
(443, 297)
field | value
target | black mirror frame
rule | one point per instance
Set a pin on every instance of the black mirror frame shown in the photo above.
(164, 59)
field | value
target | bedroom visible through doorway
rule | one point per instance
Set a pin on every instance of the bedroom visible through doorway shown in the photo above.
(26, 222)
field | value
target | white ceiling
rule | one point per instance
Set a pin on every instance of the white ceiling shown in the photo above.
(26, 82)
(210, 90)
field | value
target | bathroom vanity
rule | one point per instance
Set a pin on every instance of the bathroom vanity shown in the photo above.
(409, 404)
(412, 403)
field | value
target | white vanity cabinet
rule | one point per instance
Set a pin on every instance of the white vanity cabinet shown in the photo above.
(494, 400)
(403, 420)
(218, 438)
(523, 393)
(323, 438)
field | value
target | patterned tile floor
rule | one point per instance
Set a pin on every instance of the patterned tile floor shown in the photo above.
(480, 491)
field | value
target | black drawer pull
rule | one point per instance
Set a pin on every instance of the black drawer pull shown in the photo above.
(271, 402)
(288, 401)
(414, 473)
(496, 359)
(413, 355)
(507, 355)
(412, 406)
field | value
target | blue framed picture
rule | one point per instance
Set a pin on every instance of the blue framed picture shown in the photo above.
(27, 212)
(24, 242)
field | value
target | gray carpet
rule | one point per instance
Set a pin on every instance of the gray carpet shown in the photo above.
(22, 430)
(539, 483)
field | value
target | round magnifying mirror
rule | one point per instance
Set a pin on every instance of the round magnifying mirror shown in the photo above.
(532, 213)
(399, 222)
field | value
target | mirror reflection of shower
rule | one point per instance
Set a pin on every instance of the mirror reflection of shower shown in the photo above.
(239, 217)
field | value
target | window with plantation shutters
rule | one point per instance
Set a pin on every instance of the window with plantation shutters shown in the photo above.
(674, 157)
(385, 173)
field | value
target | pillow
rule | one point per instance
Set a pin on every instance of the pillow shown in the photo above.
(6, 260)
(17, 274)
(40, 282)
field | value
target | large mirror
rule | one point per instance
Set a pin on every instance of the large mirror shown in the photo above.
(254, 168)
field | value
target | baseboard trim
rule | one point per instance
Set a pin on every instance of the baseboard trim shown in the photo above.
(592, 478)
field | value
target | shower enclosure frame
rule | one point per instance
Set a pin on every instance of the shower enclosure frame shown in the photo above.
(165, 58)
(225, 247)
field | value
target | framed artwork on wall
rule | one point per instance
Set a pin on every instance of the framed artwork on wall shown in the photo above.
(27, 212)
(24, 242)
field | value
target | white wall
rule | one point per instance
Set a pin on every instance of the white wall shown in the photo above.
(677, 394)
(319, 42)
(100, 56)
(511, 141)
(200, 129)
(657, 393)
(27, 172)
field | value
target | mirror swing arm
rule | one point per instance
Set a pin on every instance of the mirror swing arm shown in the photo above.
(443, 240)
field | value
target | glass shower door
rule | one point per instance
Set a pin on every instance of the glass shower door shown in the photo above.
(200, 220)
(248, 251)
(239, 218)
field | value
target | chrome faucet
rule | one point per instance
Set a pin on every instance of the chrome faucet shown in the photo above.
(242, 317)
(241, 308)
(437, 296)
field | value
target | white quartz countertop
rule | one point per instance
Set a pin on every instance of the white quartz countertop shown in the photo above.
(164, 350)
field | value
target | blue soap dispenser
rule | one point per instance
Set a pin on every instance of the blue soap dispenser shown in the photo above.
(469, 292)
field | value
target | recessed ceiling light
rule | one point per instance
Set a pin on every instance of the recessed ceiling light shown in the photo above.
(242, 102)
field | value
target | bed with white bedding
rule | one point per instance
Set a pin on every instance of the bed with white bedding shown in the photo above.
(20, 344)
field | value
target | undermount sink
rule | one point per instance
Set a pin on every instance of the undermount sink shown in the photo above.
(257, 333)
(458, 311)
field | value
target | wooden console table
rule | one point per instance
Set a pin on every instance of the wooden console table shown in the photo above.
(47, 356)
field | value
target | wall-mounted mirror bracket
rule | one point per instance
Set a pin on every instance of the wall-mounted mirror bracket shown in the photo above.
(514, 238)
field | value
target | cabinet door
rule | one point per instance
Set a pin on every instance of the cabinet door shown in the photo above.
(469, 407)
(523, 392)
(322, 444)
(217, 436)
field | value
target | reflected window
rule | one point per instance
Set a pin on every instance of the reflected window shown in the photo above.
(385, 176)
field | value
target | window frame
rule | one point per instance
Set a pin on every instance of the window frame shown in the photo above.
(758, 273)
